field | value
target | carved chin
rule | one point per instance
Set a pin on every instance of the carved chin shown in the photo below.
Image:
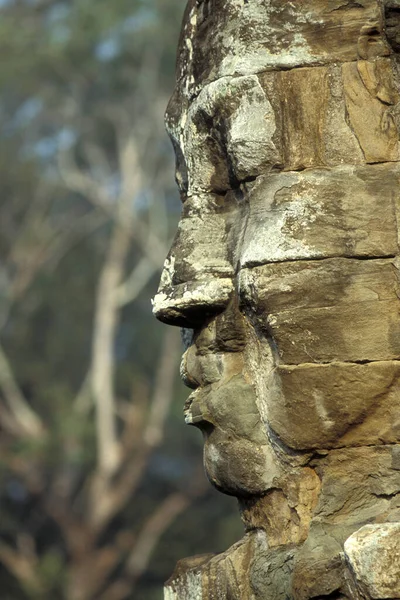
(238, 467)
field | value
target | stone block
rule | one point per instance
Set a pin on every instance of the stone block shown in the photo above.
(321, 213)
(329, 310)
(232, 37)
(373, 553)
(337, 405)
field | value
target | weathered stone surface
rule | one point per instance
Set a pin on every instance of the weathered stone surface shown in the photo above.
(310, 113)
(184, 303)
(358, 485)
(370, 93)
(373, 553)
(199, 269)
(226, 135)
(285, 273)
(336, 405)
(220, 577)
(185, 583)
(284, 512)
(235, 37)
(335, 114)
(241, 462)
(318, 567)
(242, 127)
(331, 310)
(392, 23)
(214, 576)
(322, 213)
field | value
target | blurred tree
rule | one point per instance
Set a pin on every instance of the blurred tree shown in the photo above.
(87, 198)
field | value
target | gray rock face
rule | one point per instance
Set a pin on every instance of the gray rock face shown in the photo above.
(285, 274)
(373, 553)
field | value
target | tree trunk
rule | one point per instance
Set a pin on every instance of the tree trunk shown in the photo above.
(285, 121)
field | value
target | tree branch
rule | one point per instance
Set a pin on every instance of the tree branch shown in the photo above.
(164, 388)
(102, 367)
(149, 536)
(81, 182)
(136, 282)
(29, 421)
(152, 530)
(114, 498)
(22, 566)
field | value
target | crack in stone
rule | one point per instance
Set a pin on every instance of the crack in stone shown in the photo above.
(339, 363)
(252, 265)
(386, 496)
(276, 171)
(317, 63)
(348, 5)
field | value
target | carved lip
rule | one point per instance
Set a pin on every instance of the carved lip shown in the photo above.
(192, 410)
(186, 375)
(193, 375)
(187, 409)
(195, 410)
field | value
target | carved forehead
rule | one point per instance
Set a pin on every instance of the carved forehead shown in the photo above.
(234, 37)
(226, 117)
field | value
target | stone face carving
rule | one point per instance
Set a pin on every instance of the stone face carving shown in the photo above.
(284, 274)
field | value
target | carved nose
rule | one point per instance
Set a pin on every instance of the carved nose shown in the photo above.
(191, 303)
(197, 279)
